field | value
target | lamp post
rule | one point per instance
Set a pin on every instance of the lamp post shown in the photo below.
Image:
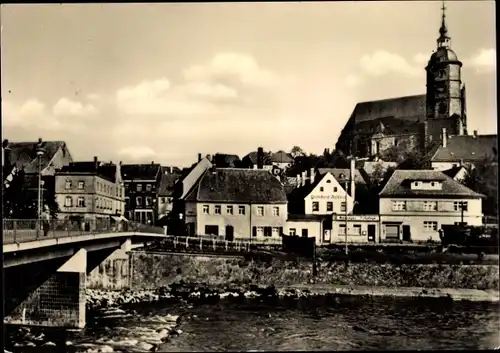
(39, 152)
(345, 209)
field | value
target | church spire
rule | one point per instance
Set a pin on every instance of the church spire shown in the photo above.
(443, 40)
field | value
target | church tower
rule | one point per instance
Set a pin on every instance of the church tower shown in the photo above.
(445, 99)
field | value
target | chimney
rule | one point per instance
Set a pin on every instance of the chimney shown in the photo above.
(199, 157)
(260, 158)
(311, 175)
(152, 162)
(475, 133)
(304, 177)
(351, 176)
(96, 163)
(171, 169)
(444, 138)
(298, 180)
(6, 153)
(118, 173)
(121, 163)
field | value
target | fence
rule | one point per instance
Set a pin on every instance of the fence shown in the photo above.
(25, 230)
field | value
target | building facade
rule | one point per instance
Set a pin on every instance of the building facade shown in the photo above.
(90, 191)
(141, 191)
(165, 201)
(415, 204)
(235, 204)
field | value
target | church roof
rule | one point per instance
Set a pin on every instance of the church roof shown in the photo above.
(23, 154)
(468, 148)
(408, 108)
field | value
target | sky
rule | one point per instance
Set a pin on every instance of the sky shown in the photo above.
(163, 82)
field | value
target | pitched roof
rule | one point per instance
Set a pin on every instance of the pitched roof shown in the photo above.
(105, 170)
(336, 172)
(23, 154)
(398, 185)
(168, 181)
(140, 171)
(253, 157)
(409, 108)
(281, 157)
(239, 186)
(452, 172)
(468, 148)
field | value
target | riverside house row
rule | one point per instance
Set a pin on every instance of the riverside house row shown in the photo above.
(244, 204)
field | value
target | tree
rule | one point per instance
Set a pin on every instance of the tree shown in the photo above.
(296, 151)
(482, 177)
(406, 156)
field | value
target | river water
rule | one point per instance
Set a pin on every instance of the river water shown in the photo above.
(346, 323)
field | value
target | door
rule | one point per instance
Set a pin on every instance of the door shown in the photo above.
(406, 233)
(392, 231)
(371, 233)
(229, 233)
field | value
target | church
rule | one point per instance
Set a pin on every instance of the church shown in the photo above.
(412, 122)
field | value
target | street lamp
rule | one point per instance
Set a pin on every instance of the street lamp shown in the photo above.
(39, 152)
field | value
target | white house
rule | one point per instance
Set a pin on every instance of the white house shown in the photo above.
(415, 204)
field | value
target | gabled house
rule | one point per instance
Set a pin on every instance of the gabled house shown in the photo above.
(267, 160)
(170, 175)
(242, 204)
(463, 150)
(90, 191)
(141, 182)
(415, 204)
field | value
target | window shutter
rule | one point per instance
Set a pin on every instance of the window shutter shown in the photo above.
(281, 231)
(254, 231)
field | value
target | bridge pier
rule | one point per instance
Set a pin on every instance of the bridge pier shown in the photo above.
(110, 269)
(59, 301)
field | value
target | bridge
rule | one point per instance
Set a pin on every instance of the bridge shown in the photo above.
(47, 267)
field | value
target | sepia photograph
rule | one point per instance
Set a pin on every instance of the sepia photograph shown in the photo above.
(249, 176)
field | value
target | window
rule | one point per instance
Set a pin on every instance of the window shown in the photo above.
(430, 226)
(315, 206)
(335, 189)
(211, 230)
(139, 187)
(276, 211)
(98, 203)
(268, 231)
(343, 206)
(68, 202)
(259, 231)
(276, 232)
(395, 142)
(292, 231)
(81, 185)
(126, 186)
(329, 206)
(341, 229)
(432, 183)
(321, 189)
(356, 229)
(241, 210)
(148, 187)
(430, 206)
(148, 201)
(260, 211)
(138, 201)
(305, 232)
(206, 209)
(460, 205)
(81, 202)
(217, 209)
(399, 205)
(68, 184)
(162, 200)
(229, 209)
(328, 181)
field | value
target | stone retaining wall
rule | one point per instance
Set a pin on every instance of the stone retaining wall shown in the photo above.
(152, 271)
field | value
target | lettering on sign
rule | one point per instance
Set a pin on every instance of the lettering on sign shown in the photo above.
(327, 197)
(358, 218)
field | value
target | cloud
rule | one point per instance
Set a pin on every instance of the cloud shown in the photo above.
(382, 62)
(484, 61)
(137, 153)
(227, 80)
(421, 58)
(33, 114)
(93, 96)
(233, 66)
(353, 80)
(66, 107)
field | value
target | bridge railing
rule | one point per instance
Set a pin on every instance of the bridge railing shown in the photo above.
(25, 230)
